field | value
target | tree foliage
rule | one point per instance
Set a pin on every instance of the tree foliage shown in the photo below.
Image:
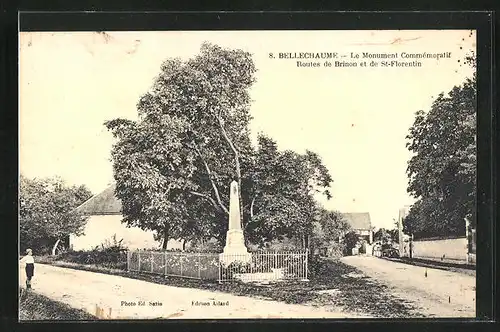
(329, 229)
(351, 240)
(442, 171)
(386, 235)
(46, 211)
(280, 192)
(174, 165)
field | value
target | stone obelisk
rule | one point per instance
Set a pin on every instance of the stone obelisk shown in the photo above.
(235, 248)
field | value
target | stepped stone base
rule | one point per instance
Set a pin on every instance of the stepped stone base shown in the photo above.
(235, 249)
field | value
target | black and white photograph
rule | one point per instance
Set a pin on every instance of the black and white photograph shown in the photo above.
(267, 174)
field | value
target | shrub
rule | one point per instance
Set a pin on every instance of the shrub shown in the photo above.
(350, 240)
(211, 246)
(315, 265)
(336, 250)
(111, 254)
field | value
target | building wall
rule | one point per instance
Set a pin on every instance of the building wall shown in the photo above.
(451, 249)
(102, 228)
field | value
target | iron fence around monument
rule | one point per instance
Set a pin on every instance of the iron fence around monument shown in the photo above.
(179, 264)
(260, 266)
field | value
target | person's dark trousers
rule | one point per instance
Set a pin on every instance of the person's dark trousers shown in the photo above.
(30, 269)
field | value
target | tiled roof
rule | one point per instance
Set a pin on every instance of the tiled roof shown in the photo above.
(102, 204)
(358, 220)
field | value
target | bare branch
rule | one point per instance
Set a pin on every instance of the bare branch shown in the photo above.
(251, 206)
(236, 158)
(231, 145)
(217, 206)
(214, 186)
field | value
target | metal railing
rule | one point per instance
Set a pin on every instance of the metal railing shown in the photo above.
(264, 266)
(252, 267)
(187, 265)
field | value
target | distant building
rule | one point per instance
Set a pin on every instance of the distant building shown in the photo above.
(360, 224)
(104, 212)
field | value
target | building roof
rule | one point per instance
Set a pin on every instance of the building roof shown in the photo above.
(358, 220)
(103, 203)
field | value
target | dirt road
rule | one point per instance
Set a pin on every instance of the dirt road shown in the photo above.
(114, 297)
(439, 294)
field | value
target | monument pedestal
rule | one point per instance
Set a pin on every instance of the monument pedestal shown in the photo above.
(235, 249)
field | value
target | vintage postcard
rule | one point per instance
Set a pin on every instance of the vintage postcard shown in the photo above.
(247, 174)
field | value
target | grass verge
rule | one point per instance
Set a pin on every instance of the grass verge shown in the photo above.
(33, 306)
(434, 264)
(347, 289)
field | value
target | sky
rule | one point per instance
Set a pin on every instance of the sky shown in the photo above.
(355, 118)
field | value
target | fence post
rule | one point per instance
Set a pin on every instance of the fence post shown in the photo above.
(165, 260)
(180, 259)
(128, 260)
(307, 259)
(138, 260)
(151, 262)
(199, 266)
(220, 271)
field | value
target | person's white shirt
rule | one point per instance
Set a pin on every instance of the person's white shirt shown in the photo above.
(28, 259)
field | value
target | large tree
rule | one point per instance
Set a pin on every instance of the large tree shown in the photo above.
(280, 193)
(386, 235)
(329, 229)
(174, 165)
(46, 212)
(442, 171)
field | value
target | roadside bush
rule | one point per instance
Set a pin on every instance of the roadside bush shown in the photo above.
(315, 265)
(336, 250)
(111, 254)
(211, 246)
(350, 241)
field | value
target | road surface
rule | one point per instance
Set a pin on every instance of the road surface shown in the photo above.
(114, 297)
(439, 294)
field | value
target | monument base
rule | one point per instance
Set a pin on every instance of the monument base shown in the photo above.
(235, 249)
(232, 255)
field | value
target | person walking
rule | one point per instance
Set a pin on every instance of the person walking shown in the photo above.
(29, 262)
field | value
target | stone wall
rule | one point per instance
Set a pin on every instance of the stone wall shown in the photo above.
(446, 249)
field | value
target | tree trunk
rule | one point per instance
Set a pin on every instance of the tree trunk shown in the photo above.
(242, 225)
(237, 164)
(165, 238)
(251, 207)
(55, 247)
(184, 245)
(214, 186)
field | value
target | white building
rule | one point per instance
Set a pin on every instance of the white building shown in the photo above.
(105, 221)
